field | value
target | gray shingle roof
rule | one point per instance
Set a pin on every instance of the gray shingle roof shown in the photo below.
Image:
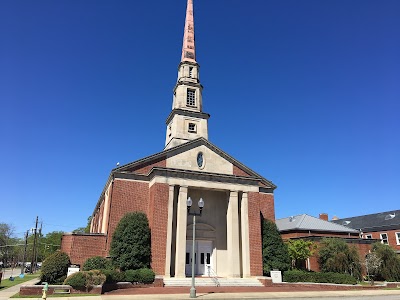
(387, 220)
(306, 222)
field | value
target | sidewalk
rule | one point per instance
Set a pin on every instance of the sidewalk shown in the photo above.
(8, 292)
(208, 293)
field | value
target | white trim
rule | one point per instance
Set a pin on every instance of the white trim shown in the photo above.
(387, 238)
(397, 234)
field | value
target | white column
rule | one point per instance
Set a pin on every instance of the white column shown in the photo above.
(169, 232)
(244, 214)
(181, 225)
(233, 235)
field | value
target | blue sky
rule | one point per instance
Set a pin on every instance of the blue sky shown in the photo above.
(306, 93)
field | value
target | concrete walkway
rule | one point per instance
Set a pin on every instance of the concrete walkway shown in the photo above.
(6, 293)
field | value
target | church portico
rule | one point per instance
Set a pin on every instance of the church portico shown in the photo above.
(223, 225)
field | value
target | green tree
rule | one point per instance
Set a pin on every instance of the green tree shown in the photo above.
(49, 244)
(7, 242)
(131, 242)
(372, 265)
(54, 268)
(299, 251)
(84, 229)
(390, 267)
(275, 252)
(336, 256)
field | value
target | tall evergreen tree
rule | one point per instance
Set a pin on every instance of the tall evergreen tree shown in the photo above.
(390, 267)
(131, 242)
(275, 252)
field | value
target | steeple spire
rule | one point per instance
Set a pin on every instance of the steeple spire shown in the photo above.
(187, 121)
(188, 47)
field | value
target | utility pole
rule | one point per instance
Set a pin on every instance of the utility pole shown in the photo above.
(37, 244)
(26, 244)
(34, 246)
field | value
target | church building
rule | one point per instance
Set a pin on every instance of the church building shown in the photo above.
(228, 232)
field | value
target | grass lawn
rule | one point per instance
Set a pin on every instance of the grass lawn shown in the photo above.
(6, 283)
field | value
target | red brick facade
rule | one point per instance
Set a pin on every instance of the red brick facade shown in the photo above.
(391, 235)
(239, 172)
(258, 204)
(80, 247)
(127, 196)
(158, 219)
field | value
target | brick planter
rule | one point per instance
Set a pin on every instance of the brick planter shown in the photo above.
(107, 287)
(57, 289)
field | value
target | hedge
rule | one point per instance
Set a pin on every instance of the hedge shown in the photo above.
(85, 279)
(97, 263)
(113, 276)
(328, 277)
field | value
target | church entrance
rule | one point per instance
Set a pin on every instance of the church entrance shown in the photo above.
(202, 257)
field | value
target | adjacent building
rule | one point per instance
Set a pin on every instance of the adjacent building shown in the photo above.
(315, 229)
(383, 226)
(228, 233)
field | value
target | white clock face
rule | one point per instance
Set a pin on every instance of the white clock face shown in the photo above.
(200, 160)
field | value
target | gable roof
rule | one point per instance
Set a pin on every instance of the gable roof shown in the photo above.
(185, 147)
(388, 220)
(163, 155)
(306, 222)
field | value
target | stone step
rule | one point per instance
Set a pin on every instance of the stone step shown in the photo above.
(207, 281)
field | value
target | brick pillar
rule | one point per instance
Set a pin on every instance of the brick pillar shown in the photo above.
(245, 236)
(169, 231)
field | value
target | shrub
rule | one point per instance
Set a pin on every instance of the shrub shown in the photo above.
(94, 277)
(131, 242)
(275, 252)
(389, 269)
(132, 275)
(85, 279)
(113, 276)
(76, 280)
(329, 277)
(146, 275)
(97, 263)
(55, 267)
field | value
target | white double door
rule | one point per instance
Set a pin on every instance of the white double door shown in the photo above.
(202, 257)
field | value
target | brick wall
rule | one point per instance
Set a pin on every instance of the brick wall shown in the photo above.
(127, 196)
(146, 169)
(158, 220)
(258, 203)
(392, 241)
(80, 247)
(239, 172)
(299, 234)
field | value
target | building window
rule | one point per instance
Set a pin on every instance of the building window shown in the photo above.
(368, 236)
(192, 127)
(384, 239)
(397, 238)
(191, 72)
(191, 98)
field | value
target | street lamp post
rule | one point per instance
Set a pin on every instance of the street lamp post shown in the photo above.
(189, 203)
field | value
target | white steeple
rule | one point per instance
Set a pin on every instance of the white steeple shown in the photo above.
(187, 121)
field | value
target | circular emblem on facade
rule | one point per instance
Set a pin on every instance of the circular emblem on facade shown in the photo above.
(200, 160)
